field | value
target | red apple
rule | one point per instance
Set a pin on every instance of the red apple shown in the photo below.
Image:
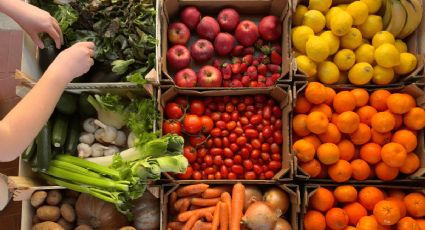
(228, 19)
(224, 43)
(209, 76)
(202, 50)
(236, 83)
(185, 78)
(246, 33)
(190, 16)
(208, 28)
(237, 51)
(246, 80)
(178, 33)
(270, 28)
(178, 57)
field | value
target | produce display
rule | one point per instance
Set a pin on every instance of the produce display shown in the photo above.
(230, 137)
(347, 207)
(226, 51)
(200, 206)
(358, 43)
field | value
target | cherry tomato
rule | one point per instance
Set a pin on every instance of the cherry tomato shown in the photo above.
(237, 169)
(228, 162)
(267, 112)
(209, 170)
(241, 141)
(232, 176)
(209, 143)
(217, 176)
(227, 152)
(231, 125)
(275, 165)
(270, 102)
(172, 126)
(211, 105)
(249, 100)
(234, 116)
(224, 171)
(197, 107)
(202, 152)
(197, 175)
(241, 107)
(248, 114)
(265, 168)
(196, 165)
(217, 142)
(256, 119)
(265, 147)
(210, 177)
(270, 140)
(250, 108)
(181, 101)
(277, 137)
(186, 175)
(278, 125)
(225, 133)
(192, 124)
(244, 153)
(250, 176)
(267, 131)
(233, 137)
(230, 107)
(260, 127)
(234, 147)
(261, 137)
(190, 153)
(256, 144)
(226, 142)
(260, 98)
(265, 156)
(197, 140)
(247, 164)
(227, 99)
(277, 111)
(215, 132)
(173, 111)
(266, 122)
(237, 159)
(261, 176)
(208, 160)
(221, 107)
(251, 133)
(269, 175)
(207, 124)
(216, 151)
(225, 117)
(276, 157)
(255, 153)
(244, 120)
(218, 160)
(216, 116)
(238, 131)
(257, 169)
(220, 124)
(235, 100)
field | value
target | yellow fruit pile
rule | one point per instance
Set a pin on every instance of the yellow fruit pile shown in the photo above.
(346, 43)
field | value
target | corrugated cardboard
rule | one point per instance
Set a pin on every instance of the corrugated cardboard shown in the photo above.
(250, 9)
(280, 93)
(413, 89)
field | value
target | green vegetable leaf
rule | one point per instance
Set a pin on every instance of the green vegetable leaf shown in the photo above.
(121, 66)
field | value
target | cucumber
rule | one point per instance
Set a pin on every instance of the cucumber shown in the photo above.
(29, 152)
(44, 148)
(73, 136)
(60, 127)
(85, 108)
(67, 104)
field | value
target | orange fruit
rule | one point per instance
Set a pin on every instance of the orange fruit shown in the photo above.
(313, 139)
(415, 204)
(366, 113)
(361, 96)
(378, 99)
(393, 154)
(344, 101)
(361, 169)
(314, 220)
(324, 108)
(369, 196)
(345, 193)
(334, 118)
(386, 212)
(383, 122)
(398, 120)
(421, 223)
(400, 204)
(302, 105)
(355, 211)
(386, 172)
(400, 103)
(330, 94)
(350, 228)
(406, 138)
(415, 119)
(316, 93)
(362, 135)
(336, 218)
(407, 223)
(299, 125)
(304, 150)
(371, 153)
(367, 223)
(348, 122)
(396, 193)
(340, 171)
(312, 168)
(322, 200)
(411, 164)
(328, 153)
(346, 150)
(381, 138)
(317, 122)
(332, 134)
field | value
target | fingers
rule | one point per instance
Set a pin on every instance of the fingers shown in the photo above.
(36, 39)
(55, 36)
(57, 28)
(89, 45)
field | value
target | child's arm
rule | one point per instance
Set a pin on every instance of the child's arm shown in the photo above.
(33, 20)
(22, 124)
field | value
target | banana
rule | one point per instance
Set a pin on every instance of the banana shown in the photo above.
(414, 15)
(387, 13)
(398, 18)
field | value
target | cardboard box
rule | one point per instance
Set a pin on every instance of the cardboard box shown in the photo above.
(291, 189)
(251, 9)
(281, 93)
(414, 43)
(417, 91)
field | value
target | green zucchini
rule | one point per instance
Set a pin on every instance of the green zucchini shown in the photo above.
(60, 127)
(29, 152)
(67, 104)
(44, 148)
(85, 108)
(73, 136)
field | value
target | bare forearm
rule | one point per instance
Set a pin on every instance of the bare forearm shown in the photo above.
(11, 7)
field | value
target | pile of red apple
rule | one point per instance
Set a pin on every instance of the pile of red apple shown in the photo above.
(254, 51)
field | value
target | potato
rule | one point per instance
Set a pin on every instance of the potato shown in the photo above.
(54, 197)
(47, 225)
(48, 213)
(35, 220)
(83, 227)
(38, 198)
(68, 212)
(127, 228)
(65, 224)
(69, 200)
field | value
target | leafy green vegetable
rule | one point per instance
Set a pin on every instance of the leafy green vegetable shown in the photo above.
(110, 109)
(121, 66)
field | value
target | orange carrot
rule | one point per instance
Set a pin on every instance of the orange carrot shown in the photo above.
(175, 225)
(171, 201)
(184, 216)
(189, 224)
(194, 207)
(185, 205)
(225, 197)
(238, 197)
(200, 225)
(215, 192)
(179, 202)
(224, 216)
(191, 190)
(205, 202)
(208, 216)
(216, 219)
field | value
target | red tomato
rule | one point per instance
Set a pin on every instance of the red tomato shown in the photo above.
(278, 125)
(257, 169)
(241, 141)
(202, 152)
(226, 142)
(172, 126)
(244, 153)
(225, 117)
(277, 111)
(218, 160)
(241, 107)
(234, 147)
(216, 151)
(250, 176)
(269, 175)
(261, 176)
(231, 125)
(173, 111)
(244, 120)
(209, 143)
(260, 98)
(266, 122)
(270, 102)
(235, 100)
(215, 132)
(224, 171)
(256, 144)
(216, 116)
(192, 124)
(224, 133)
(275, 165)
(250, 108)
(233, 137)
(267, 132)
(208, 160)
(186, 175)
(237, 159)
(237, 169)
(228, 162)
(232, 176)
(259, 106)
(255, 153)
(221, 107)
(234, 116)
(197, 140)
(265, 147)
(227, 152)
(207, 124)
(265, 156)
(248, 114)
(276, 157)
(182, 101)
(251, 133)
(217, 176)
(210, 177)
(209, 170)
(197, 107)
(190, 153)
(256, 119)
(227, 99)
(220, 124)
(247, 164)
(267, 112)
(249, 100)
(197, 175)
(277, 137)
(217, 142)
(196, 165)
(238, 131)
(230, 107)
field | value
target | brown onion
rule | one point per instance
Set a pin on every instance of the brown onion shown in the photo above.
(252, 194)
(277, 198)
(260, 215)
(282, 224)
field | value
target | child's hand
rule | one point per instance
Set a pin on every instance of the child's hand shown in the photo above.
(74, 61)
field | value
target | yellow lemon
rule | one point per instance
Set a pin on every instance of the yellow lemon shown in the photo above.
(343, 6)
(341, 23)
(306, 65)
(371, 26)
(408, 63)
(320, 5)
(300, 36)
(382, 37)
(315, 20)
(332, 40)
(352, 39)
(329, 14)
(365, 53)
(359, 11)
(328, 72)
(401, 46)
(386, 55)
(382, 75)
(343, 78)
(361, 73)
(345, 59)
(297, 19)
(317, 49)
(373, 5)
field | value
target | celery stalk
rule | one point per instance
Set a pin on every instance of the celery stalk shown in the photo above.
(73, 168)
